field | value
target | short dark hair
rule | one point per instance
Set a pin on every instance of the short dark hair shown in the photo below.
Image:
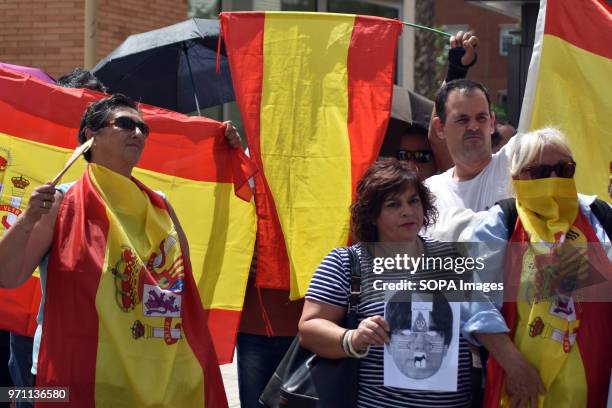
(399, 314)
(459, 85)
(81, 78)
(98, 112)
(383, 178)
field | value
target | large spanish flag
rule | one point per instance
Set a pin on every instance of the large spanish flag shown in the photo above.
(314, 91)
(186, 158)
(123, 321)
(569, 86)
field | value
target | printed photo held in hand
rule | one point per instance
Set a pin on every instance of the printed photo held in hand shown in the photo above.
(423, 348)
(390, 207)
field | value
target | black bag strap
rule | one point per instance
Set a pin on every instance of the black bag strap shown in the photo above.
(601, 211)
(355, 281)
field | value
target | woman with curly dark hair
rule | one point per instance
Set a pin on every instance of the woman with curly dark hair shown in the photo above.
(391, 206)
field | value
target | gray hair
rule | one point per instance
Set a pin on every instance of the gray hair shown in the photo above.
(529, 147)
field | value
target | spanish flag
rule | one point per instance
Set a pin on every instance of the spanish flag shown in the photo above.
(186, 158)
(314, 91)
(566, 339)
(569, 86)
(123, 321)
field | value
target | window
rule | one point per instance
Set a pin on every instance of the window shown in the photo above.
(508, 36)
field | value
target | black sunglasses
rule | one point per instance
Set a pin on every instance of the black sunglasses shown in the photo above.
(419, 156)
(562, 169)
(127, 123)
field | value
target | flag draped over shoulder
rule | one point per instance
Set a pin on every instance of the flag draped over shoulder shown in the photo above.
(569, 84)
(185, 158)
(123, 320)
(314, 91)
(567, 340)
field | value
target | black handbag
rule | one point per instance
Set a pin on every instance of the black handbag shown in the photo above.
(305, 380)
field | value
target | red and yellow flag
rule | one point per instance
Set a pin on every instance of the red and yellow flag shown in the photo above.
(569, 84)
(123, 321)
(565, 338)
(186, 158)
(314, 91)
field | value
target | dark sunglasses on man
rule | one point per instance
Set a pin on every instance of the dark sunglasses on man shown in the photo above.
(419, 156)
(562, 169)
(127, 123)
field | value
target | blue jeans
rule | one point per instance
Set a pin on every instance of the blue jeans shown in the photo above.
(258, 357)
(20, 364)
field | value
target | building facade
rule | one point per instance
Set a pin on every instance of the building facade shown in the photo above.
(50, 34)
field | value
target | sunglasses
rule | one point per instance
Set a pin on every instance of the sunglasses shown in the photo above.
(562, 169)
(419, 156)
(127, 123)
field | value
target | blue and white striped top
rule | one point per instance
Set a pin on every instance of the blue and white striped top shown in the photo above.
(331, 284)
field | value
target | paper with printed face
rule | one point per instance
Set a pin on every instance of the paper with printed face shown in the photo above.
(423, 350)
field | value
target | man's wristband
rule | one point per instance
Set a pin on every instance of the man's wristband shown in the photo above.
(456, 70)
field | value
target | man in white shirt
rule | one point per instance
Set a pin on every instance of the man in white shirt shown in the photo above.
(479, 178)
(464, 122)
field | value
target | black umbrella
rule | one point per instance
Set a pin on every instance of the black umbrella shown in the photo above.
(173, 67)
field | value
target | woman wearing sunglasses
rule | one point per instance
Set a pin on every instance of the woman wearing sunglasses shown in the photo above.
(119, 301)
(559, 326)
(415, 149)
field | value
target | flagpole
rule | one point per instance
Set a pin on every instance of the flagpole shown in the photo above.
(427, 28)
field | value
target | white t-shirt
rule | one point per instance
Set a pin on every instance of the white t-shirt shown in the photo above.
(457, 201)
(480, 193)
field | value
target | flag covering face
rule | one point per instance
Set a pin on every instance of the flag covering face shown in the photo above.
(314, 90)
(569, 84)
(186, 158)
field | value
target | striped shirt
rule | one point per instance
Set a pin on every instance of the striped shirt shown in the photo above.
(331, 284)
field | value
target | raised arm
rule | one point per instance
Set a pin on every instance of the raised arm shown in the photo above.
(25, 244)
(461, 56)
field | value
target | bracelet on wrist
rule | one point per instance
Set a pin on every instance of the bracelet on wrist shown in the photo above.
(344, 343)
(352, 352)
